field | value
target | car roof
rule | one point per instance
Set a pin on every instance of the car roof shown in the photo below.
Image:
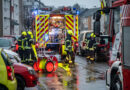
(10, 52)
(6, 38)
(85, 31)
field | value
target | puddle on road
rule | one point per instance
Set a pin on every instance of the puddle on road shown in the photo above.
(69, 80)
(93, 74)
(60, 80)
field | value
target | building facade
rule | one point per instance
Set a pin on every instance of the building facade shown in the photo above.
(15, 17)
(9, 17)
(5, 17)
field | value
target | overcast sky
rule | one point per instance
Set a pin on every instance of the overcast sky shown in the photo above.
(82, 3)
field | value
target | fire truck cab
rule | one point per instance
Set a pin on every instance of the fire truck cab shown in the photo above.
(117, 75)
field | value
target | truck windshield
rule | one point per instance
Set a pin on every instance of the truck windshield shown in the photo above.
(126, 46)
(56, 30)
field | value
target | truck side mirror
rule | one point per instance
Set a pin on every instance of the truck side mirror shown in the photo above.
(97, 15)
(97, 28)
(106, 10)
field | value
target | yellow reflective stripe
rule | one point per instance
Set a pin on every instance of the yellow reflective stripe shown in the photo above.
(67, 28)
(91, 48)
(36, 22)
(44, 34)
(41, 28)
(41, 24)
(77, 32)
(44, 31)
(71, 22)
(70, 26)
(91, 58)
(38, 32)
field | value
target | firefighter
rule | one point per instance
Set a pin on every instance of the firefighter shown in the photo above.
(21, 49)
(28, 47)
(31, 42)
(68, 47)
(91, 46)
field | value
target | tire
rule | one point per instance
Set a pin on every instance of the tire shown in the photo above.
(20, 83)
(2, 87)
(116, 83)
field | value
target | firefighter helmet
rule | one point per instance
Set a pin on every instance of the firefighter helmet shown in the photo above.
(29, 32)
(24, 33)
(70, 32)
(92, 35)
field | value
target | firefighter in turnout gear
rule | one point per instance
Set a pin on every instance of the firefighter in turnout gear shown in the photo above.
(91, 46)
(28, 48)
(21, 48)
(68, 47)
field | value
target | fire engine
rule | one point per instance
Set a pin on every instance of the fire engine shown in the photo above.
(51, 30)
(117, 76)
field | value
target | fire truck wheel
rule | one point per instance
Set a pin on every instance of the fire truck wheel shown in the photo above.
(116, 83)
(49, 67)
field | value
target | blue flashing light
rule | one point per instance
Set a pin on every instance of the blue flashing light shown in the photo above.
(74, 8)
(36, 12)
(77, 12)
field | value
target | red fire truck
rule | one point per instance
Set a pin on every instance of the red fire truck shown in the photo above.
(118, 74)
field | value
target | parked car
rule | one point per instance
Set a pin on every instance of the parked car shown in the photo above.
(25, 75)
(6, 43)
(13, 37)
(82, 43)
(7, 78)
(14, 40)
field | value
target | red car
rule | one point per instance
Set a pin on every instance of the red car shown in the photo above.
(25, 75)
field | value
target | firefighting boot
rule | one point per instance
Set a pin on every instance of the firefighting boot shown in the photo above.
(92, 60)
(87, 58)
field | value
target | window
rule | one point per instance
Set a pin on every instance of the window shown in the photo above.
(117, 20)
(87, 35)
(126, 46)
(5, 43)
(81, 37)
(5, 58)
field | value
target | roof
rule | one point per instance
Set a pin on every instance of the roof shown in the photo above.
(10, 52)
(88, 12)
(85, 31)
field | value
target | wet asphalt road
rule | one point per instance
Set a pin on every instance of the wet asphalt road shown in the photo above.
(84, 76)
